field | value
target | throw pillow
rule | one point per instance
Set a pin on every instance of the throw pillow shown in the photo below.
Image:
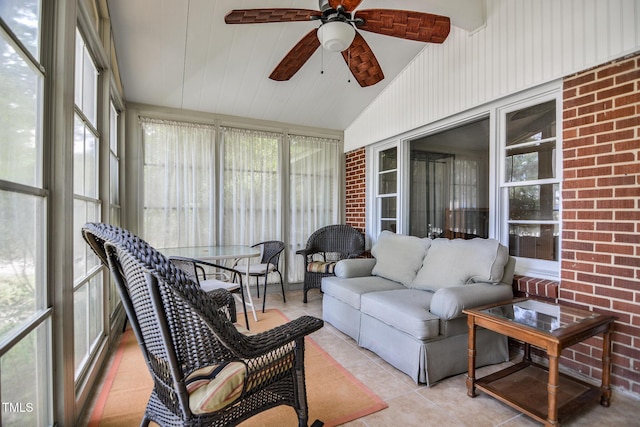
(398, 257)
(459, 262)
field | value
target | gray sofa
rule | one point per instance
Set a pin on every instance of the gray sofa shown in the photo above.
(405, 304)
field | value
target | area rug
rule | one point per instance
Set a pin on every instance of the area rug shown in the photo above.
(334, 395)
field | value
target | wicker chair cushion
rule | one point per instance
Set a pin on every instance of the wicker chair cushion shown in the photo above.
(214, 387)
(321, 267)
(258, 269)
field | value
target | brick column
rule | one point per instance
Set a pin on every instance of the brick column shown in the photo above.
(600, 267)
(355, 185)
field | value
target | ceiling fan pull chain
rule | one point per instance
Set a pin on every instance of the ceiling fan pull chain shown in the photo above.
(321, 61)
(349, 65)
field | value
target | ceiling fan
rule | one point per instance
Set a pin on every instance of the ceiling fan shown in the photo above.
(337, 33)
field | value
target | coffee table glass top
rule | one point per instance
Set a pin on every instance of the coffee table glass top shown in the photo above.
(542, 316)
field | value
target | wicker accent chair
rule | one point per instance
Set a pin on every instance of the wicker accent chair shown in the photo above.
(324, 248)
(189, 342)
(196, 270)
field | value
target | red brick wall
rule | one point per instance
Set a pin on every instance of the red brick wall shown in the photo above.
(355, 187)
(601, 211)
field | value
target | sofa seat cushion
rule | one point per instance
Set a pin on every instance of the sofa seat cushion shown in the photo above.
(460, 262)
(321, 267)
(350, 290)
(406, 310)
(398, 257)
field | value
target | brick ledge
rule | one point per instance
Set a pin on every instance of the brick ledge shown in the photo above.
(535, 288)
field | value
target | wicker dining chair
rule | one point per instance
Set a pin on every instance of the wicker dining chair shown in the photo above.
(197, 270)
(324, 248)
(204, 370)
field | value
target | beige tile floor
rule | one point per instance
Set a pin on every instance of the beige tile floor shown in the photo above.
(445, 403)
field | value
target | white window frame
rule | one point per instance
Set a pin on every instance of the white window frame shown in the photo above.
(544, 269)
(374, 197)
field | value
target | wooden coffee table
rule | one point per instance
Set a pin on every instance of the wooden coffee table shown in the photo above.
(541, 392)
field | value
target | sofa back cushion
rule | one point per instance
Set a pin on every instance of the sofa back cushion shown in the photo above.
(459, 262)
(398, 257)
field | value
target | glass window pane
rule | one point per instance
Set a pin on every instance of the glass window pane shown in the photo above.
(113, 129)
(77, 90)
(532, 123)
(91, 165)
(389, 225)
(388, 207)
(388, 159)
(79, 246)
(80, 319)
(114, 180)
(95, 308)
(89, 87)
(78, 156)
(23, 18)
(388, 183)
(534, 202)
(20, 132)
(530, 163)
(21, 259)
(25, 373)
(538, 241)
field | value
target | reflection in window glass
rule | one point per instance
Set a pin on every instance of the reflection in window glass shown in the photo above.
(21, 136)
(23, 18)
(388, 209)
(537, 241)
(534, 202)
(388, 183)
(531, 162)
(531, 124)
(25, 374)
(21, 252)
(388, 159)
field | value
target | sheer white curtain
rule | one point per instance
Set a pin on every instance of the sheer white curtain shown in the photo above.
(314, 185)
(179, 183)
(251, 201)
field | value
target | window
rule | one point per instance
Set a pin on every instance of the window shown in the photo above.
(531, 184)
(449, 184)
(87, 294)
(114, 191)
(386, 190)
(25, 313)
(179, 183)
(208, 185)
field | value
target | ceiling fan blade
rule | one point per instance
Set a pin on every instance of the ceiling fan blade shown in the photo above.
(349, 5)
(262, 16)
(423, 27)
(362, 62)
(296, 57)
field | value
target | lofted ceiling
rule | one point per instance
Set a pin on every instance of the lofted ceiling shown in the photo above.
(181, 54)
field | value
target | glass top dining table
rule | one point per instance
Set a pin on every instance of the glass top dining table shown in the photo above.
(219, 253)
(212, 253)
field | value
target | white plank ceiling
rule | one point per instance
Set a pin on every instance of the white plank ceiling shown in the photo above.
(181, 54)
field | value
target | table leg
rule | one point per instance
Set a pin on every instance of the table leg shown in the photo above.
(246, 285)
(552, 390)
(606, 367)
(471, 375)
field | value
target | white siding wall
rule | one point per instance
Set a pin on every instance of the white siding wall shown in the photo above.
(525, 43)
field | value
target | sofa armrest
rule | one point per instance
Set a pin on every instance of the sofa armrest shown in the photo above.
(448, 303)
(354, 267)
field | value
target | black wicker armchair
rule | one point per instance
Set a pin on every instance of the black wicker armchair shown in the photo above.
(325, 247)
(190, 345)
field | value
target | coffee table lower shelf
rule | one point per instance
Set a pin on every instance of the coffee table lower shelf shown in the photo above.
(524, 387)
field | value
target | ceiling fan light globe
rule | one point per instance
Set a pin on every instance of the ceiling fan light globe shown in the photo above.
(336, 36)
